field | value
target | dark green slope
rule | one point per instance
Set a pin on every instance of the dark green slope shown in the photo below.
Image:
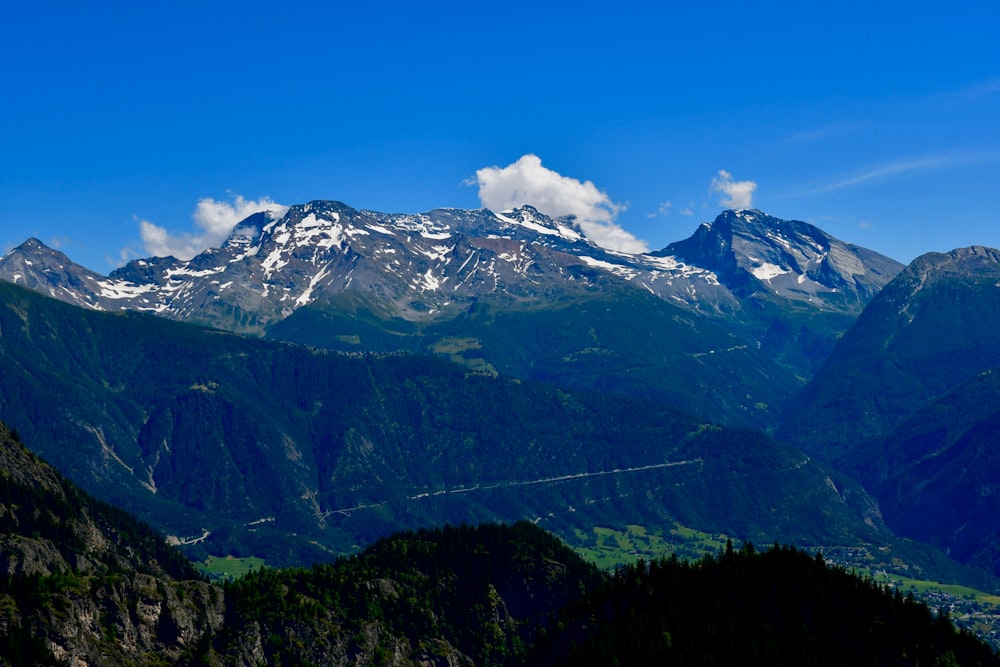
(616, 341)
(458, 595)
(84, 533)
(934, 327)
(781, 607)
(908, 401)
(937, 473)
(292, 453)
(84, 583)
(512, 595)
(928, 438)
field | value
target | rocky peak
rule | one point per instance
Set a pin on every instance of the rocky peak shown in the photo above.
(974, 260)
(966, 266)
(150, 270)
(750, 249)
(38, 267)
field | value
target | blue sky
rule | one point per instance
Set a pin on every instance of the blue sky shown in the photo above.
(133, 127)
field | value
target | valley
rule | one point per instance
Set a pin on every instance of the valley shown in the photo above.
(86, 582)
(292, 432)
(329, 377)
(499, 335)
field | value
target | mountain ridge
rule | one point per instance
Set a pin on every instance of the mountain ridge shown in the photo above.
(906, 403)
(325, 247)
(477, 287)
(928, 330)
(208, 430)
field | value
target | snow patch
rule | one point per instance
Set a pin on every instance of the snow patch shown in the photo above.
(312, 221)
(767, 271)
(590, 261)
(528, 221)
(306, 295)
(626, 272)
(424, 226)
(437, 252)
(113, 289)
(320, 232)
(430, 282)
(272, 263)
(190, 273)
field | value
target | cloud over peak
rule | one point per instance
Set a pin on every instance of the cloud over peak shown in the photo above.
(737, 194)
(214, 221)
(526, 181)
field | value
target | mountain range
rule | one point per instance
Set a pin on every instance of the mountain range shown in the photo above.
(545, 342)
(750, 304)
(430, 266)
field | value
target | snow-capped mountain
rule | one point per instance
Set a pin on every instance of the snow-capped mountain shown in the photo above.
(425, 266)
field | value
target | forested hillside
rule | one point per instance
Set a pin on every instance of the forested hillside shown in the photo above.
(297, 455)
(84, 583)
(779, 607)
(80, 579)
(907, 404)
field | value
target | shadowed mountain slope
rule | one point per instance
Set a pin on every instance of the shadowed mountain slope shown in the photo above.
(289, 452)
(934, 327)
(908, 402)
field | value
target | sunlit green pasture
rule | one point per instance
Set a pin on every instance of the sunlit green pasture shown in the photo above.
(228, 567)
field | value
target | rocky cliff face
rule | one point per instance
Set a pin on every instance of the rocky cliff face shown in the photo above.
(83, 583)
(752, 252)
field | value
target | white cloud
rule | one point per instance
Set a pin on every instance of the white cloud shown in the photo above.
(972, 92)
(739, 193)
(214, 219)
(528, 182)
(688, 210)
(826, 133)
(901, 168)
(662, 210)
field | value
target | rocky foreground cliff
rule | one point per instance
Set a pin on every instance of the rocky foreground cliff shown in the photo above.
(83, 583)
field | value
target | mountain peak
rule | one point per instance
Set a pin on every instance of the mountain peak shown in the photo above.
(974, 264)
(35, 246)
(751, 249)
(749, 214)
(31, 244)
(531, 218)
(38, 267)
(959, 259)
